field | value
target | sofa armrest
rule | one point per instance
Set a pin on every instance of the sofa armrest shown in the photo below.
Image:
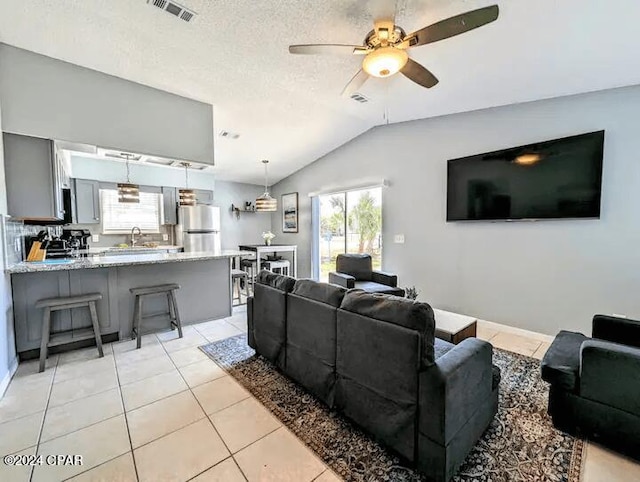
(251, 341)
(452, 389)
(341, 279)
(609, 374)
(384, 278)
(616, 329)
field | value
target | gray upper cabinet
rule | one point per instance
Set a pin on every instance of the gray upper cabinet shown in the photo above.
(87, 201)
(203, 196)
(34, 178)
(170, 207)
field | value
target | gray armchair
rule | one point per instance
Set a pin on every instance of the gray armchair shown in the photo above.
(355, 271)
(595, 383)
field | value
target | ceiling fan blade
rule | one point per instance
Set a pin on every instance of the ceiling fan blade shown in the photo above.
(419, 74)
(453, 26)
(326, 49)
(355, 83)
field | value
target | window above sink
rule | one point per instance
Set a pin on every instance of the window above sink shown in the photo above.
(120, 218)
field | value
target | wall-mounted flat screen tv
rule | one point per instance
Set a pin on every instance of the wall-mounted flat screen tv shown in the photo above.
(547, 180)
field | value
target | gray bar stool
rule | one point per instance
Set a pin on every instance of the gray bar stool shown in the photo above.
(238, 276)
(174, 316)
(66, 303)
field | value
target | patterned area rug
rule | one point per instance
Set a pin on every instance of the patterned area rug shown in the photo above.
(521, 444)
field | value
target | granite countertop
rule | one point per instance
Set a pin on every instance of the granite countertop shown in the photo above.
(120, 260)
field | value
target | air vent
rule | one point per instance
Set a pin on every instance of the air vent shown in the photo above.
(358, 97)
(174, 8)
(119, 155)
(228, 135)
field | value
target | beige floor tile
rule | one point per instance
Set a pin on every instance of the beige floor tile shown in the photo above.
(169, 335)
(328, 476)
(218, 330)
(239, 321)
(81, 413)
(187, 356)
(96, 444)
(279, 456)
(129, 372)
(244, 423)
(180, 455)
(201, 372)
(151, 389)
(225, 471)
(83, 386)
(20, 400)
(542, 349)
(83, 354)
(219, 394)
(163, 417)
(516, 343)
(120, 469)
(134, 355)
(127, 344)
(76, 369)
(17, 473)
(188, 340)
(602, 464)
(483, 332)
(20, 433)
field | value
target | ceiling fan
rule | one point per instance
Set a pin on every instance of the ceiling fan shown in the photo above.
(385, 47)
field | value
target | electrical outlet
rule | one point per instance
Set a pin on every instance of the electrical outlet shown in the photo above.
(398, 238)
(165, 237)
(95, 238)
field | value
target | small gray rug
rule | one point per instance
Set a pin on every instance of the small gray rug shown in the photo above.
(521, 443)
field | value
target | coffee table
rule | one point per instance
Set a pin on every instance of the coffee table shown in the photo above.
(453, 327)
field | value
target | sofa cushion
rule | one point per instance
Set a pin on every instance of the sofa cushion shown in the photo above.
(277, 281)
(322, 292)
(373, 287)
(399, 311)
(441, 347)
(357, 265)
(560, 366)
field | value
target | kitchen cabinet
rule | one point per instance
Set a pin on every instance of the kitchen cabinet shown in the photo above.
(34, 177)
(87, 195)
(204, 196)
(170, 206)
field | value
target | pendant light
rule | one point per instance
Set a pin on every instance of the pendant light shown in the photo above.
(127, 192)
(187, 196)
(266, 203)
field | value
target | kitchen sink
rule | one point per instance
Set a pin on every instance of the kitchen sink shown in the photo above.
(139, 250)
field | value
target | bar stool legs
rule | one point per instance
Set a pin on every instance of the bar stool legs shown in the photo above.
(96, 326)
(46, 327)
(169, 291)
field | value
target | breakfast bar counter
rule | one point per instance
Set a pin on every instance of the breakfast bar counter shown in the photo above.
(204, 294)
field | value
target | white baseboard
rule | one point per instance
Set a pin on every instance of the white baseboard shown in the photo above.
(4, 383)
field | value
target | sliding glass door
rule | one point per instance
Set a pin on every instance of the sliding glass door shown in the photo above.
(349, 222)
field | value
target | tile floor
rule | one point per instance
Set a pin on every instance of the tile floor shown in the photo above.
(167, 412)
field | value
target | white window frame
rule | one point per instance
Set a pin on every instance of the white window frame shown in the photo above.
(144, 197)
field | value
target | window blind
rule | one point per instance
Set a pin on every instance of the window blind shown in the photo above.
(122, 217)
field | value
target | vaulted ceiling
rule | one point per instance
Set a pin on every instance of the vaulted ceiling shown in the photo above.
(288, 108)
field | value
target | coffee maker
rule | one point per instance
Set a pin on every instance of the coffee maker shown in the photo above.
(76, 239)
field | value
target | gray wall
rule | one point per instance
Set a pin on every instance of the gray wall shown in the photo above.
(8, 360)
(541, 276)
(249, 228)
(44, 97)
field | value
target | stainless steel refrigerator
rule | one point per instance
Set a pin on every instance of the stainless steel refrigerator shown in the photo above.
(199, 228)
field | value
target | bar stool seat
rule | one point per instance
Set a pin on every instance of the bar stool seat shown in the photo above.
(169, 290)
(283, 265)
(67, 303)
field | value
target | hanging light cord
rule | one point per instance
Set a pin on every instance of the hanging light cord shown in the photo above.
(128, 171)
(266, 176)
(186, 175)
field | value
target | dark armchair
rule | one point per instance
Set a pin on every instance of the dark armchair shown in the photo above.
(355, 271)
(595, 383)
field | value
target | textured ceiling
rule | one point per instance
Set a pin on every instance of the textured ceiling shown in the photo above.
(287, 108)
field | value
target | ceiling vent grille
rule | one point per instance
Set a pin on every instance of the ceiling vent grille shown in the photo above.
(358, 97)
(174, 8)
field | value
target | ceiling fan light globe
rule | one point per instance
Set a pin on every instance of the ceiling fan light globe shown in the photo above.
(385, 61)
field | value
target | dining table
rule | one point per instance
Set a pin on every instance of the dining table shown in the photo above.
(266, 249)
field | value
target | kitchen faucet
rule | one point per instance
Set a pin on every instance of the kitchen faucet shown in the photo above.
(133, 237)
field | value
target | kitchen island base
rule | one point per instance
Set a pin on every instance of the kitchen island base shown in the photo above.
(205, 294)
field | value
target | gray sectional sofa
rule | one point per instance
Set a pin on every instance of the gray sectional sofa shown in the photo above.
(375, 359)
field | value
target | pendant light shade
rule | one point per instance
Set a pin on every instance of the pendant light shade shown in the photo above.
(187, 197)
(266, 203)
(127, 192)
